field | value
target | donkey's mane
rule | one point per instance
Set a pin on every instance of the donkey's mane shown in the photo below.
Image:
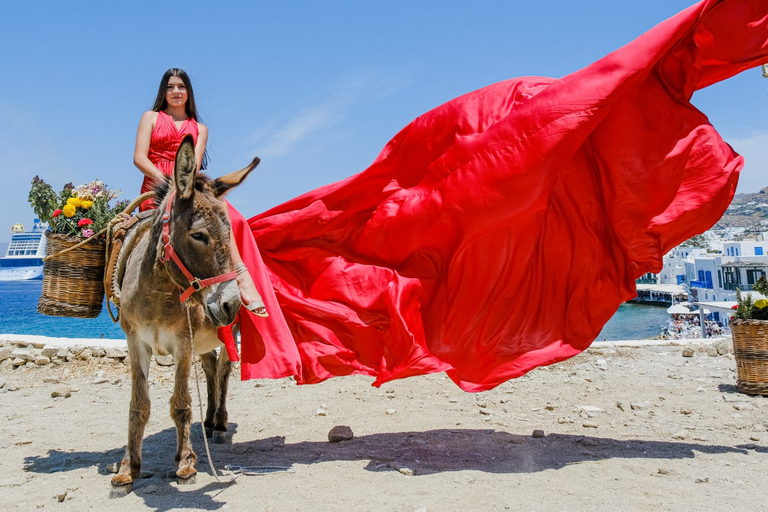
(162, 188)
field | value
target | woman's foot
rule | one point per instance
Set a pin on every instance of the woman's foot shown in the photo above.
(249, 295)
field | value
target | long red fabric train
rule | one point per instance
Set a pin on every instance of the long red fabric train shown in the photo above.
(501, 230)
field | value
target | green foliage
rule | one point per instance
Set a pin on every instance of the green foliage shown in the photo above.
(43, 199)
(744, 306)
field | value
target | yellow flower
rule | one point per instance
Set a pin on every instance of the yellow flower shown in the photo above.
(87, 204)
(74, 201)
(761, 303)
(69, 210)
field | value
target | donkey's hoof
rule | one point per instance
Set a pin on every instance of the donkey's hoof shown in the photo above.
(118, 491)
(189, 480)
(209, 432)
(219, 437)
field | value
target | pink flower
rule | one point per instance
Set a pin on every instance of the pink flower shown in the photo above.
(87, 232)
(84, 222)
(57, 213)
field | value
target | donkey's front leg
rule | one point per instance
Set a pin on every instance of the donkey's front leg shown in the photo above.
(181, 412)
(130, 467)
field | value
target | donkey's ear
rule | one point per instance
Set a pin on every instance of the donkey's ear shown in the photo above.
(185, 168)
(221, 185)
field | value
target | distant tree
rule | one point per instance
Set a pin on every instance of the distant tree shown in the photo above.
(696, 241)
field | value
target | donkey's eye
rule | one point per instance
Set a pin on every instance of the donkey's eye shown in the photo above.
(200, 237)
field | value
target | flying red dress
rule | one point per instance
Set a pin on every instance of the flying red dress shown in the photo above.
(163, 144)
(501, 230)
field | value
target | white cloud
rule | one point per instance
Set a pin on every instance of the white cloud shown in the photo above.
(754, 149)
(332, 105)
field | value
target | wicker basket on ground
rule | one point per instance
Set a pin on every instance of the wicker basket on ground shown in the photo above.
(750, 346)
(73, 280)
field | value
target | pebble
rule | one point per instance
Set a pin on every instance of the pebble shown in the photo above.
(5, 353)
(700, 390)
(590, 424)
(538, 433)
(52, 380)
(680, 435)
(688, 352)
(485, 412)
(11, 386)
(321, 412)
(101, 380)
(61, 390)
(623, 406)
(702, 480)
(406, 471)
(390, 411)
(61, 496)
(340, 433)
(42, 360)
(639, 406)
(590, 408)
(25, 354)
(164, 360)
(685, 410)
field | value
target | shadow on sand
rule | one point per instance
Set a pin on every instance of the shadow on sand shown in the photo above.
(433, 451)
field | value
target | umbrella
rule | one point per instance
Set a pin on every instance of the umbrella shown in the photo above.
(678, 309)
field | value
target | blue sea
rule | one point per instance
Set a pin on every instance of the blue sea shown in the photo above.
(18, 315)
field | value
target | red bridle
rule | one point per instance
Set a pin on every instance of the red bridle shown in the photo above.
(169, 253)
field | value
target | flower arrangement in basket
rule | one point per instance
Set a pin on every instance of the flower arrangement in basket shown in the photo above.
(74, 262)
(749, 327)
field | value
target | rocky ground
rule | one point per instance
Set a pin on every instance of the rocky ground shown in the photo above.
(616, 428)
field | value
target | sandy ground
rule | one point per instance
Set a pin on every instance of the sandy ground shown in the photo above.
(623, 429)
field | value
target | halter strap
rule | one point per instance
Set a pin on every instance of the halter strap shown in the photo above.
(169, 254)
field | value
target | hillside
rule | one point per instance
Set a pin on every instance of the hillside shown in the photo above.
(747, 215)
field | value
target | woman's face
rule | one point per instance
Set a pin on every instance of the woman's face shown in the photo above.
(176, 92)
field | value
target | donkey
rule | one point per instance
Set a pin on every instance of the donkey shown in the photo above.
(186, 247)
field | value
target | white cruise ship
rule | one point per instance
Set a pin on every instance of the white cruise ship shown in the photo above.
(24, 258)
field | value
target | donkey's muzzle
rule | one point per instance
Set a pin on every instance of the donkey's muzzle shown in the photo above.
(223, 303)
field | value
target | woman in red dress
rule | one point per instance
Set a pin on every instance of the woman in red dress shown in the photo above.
(161, 130)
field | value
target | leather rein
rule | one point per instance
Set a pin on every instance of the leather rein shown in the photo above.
(169, 254)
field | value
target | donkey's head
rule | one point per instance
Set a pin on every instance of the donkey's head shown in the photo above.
(196, 228)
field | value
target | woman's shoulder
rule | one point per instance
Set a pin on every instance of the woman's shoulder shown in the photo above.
(150, 115)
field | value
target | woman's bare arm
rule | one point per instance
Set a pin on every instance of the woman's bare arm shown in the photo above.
(140, 154)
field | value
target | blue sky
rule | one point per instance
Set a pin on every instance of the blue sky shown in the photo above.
(314, 88)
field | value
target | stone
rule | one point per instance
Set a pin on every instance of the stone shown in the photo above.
(685, 410)
(321, 412)
(688, 352)
(639, 406)
(61, 496)
(76, 350)
(5, 353)
(24, 353)
(164, 360)
(49, 351)
(623, 406)
(100, 380)
(485, 412)
(680, 435)
(702, 480)
(62, 352)
(2, 383)
(98, 351)
(18, 361)
(590, 408)
(590, 424)
(340, 433)
(85, 354)
(538, 433)
(11, 386)
(117, 353)
(390, 412)
(42, 360)
(406, 471)
(61, 390)
(52, 380)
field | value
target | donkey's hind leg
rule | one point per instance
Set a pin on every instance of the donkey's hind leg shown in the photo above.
(130, 467)
(208, 361)
(181, 412)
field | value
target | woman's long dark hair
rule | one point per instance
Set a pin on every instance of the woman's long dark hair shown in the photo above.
(190, 108)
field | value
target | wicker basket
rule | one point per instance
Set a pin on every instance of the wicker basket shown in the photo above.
(73, 282)
(750, 346)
